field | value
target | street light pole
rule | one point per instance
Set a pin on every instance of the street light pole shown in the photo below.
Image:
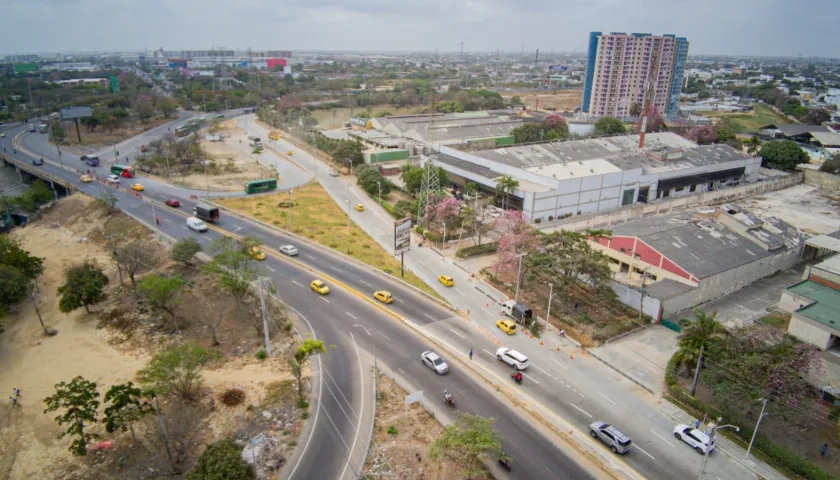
(518, 275)
(760, 418)
(290, 210)
(548, 309)
(379, 186)
(715, 428)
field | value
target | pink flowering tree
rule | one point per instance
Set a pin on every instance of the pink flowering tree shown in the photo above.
(516, 236)
(704, 135)
(446, 213)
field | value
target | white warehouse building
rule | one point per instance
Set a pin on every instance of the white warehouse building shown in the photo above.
(576, 177)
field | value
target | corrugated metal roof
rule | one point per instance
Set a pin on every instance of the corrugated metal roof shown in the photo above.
(824, 241)
(826, 306)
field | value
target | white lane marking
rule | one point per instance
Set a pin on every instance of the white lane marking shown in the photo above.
(299, 285)
(608, 398)
(462, 293)
(362, 404)
(386, 337)
(646, 453)
(335, 427)
(369, 285)
(581, 395)
(488, 353)
(397, 299)
(337, 270)
(558, 363)
(351, 315)
(270, 268)
(420, 262)
(324, 299)
(663, 438)
(311, 257)
(456, 333)
(540, 369)
(184, 227)
(488, 312)
(581, 410)
(433, 318)
(531, 378)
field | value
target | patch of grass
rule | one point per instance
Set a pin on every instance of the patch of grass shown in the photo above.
(751, 121)
(326, 224)
(778, 321)
(282, 392)
(392, 430)
(261, 355)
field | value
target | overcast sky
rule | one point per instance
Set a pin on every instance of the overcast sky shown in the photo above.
(748, 27)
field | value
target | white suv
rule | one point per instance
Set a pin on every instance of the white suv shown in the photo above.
(512, 358)
(693, 437)
(113, 179)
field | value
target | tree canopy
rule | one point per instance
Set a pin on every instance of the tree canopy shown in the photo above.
(176, 370)
(609, 126)
(222, 460)
(79, 401)
(782, 154)
(84, 285)
(465, 443)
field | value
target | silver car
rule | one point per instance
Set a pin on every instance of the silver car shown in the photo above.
(611, 436)
(434, 361)
(289, 250)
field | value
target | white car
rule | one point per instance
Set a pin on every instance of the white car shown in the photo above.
(512, 358)
(196, 224)
(333, 172)
(434, 361)
(289, 250)
(693, 437)
(113, 179)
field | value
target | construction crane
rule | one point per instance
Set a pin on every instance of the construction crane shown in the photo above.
(653, 74)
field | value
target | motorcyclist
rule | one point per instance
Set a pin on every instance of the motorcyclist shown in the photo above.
(517, 377)
(504, 460)
(447, 397)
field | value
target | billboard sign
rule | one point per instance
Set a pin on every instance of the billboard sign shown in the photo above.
(402, 235)
(71, 113)
(414, 397)
(557, 68)
(358, 121)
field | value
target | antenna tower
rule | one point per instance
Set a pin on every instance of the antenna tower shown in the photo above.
(650, 89)
(430, 183)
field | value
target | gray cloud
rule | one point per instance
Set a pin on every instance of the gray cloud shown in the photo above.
(759, 27)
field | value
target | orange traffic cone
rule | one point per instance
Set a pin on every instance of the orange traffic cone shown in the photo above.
(571, 355)
(541, 342)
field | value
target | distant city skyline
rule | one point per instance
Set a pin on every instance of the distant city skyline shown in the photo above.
(770, 28)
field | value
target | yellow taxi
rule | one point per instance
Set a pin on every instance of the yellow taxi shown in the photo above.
(289, 153)
(85, 178)
(383, 296)
(360, 207)
(506, 325)
(446, 280)
(137, 187)
(256, 253)
(319, 287)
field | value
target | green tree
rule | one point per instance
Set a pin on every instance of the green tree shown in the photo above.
(84, 285)
(516, 101)
(13, 255)
(698, 337)
(176, 370)
(832, 164)
(185, 250)
(412, 178)
(12, 287)
(570, 254)
(466, 442)
(162, 293)
(636, 109)
(303, 352)
(782, 154)
(609, 126)
(232, 268)
(126, 404)
(753, 145)
(816, 116)
(347, 150)
(134, 258)
(505, 185)
(79, 400)
(222, 460)
(167, 106)
(530, 132)
(108, 201)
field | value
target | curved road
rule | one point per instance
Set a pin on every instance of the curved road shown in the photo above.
(343, 320)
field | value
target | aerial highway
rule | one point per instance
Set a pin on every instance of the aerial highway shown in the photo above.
(357, 328)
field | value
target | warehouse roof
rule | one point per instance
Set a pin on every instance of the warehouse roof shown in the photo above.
(703, 248)
(826, 306)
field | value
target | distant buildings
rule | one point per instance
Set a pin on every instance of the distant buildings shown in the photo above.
(21, 58)
(619, 65)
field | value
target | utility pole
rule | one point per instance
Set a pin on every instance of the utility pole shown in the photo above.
(642, 300)
(114, 252)
(518, 276)
(760, 418)
(163, 434)
(157, 222)
(461, 57)
(715, 428)
(264, 315)
(548, 309)
(290, 209)
(697, 370)
(379, 186)
(46, 332)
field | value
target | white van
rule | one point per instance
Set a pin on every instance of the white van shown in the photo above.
(196, 224)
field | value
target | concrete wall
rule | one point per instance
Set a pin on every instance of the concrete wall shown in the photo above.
(823, 180)
(791, 302)
(663, 206)
(806, 330)
(731, 280)
(632, 298)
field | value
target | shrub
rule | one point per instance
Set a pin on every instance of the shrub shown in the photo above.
(303, 404)
(418, 229)
(550, 218)
(233, 396)
(482, 249)
(261, 355)
(537, 220)
(222, 459)
(392, 430)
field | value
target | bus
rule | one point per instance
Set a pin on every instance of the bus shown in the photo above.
(182, 131)
(258, 186)
(42, 128)
(122, 170)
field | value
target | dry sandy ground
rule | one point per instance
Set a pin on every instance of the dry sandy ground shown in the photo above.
(406, 454)
(803, 206)
(233, 151)
(35, 363)
(562, 100)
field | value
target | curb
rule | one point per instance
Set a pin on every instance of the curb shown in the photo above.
(628, 377)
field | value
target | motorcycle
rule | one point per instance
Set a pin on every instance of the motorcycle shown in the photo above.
(449, 401)
(505, 464)
(517, 380)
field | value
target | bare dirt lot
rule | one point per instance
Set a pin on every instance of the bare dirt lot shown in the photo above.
(109, 345)
(803, 206)
(101, 138)
(404, 452)
(559, 100)
(231, 162)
